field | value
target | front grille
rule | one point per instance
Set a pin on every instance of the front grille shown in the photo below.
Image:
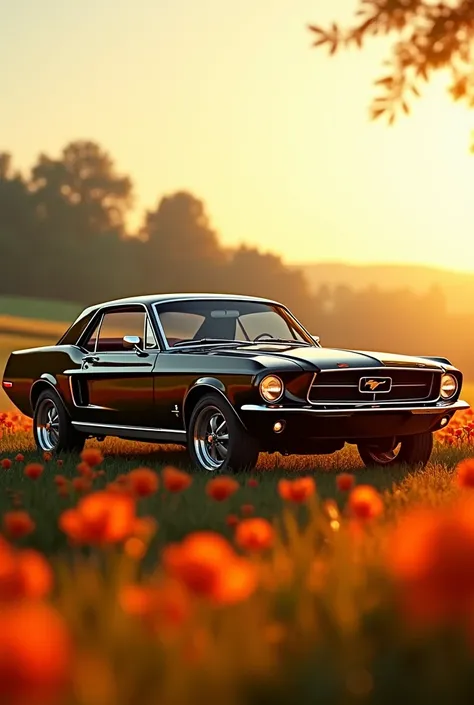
(344, 386)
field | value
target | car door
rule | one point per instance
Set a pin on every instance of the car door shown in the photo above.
(115, 384)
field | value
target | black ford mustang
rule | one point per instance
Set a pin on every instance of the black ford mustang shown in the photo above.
(228, 376)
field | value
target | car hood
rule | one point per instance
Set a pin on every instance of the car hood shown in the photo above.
(327, 358)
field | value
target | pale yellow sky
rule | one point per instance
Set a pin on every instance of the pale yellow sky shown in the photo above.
(226, 99)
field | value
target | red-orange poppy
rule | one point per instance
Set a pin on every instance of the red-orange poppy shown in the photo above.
(6, 463)
(221, 488)
(345, 481)
(60, 480)
(59, 463)
(34, 669)
(254, 534)
(252, 482)
(85, 470)
(175, 480)
(247, 510)
(92, 456)
(19, 458)
(143, 482)
(100, 518)
(465, 473)
(232, 520)
(34, 470)
(298, 490)
(431, 556)
(365, 502)
(81, 484)
(47, 456)
(206, 563)
(17, 524)
(159, 606)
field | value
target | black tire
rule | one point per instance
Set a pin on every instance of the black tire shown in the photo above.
(241, 449)
(414, 450)
(61, 437)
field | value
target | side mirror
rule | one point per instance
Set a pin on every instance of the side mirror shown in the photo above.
(132, 342)
(316, 339)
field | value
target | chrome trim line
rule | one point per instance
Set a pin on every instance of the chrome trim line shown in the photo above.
(367, 408)
(351, 369)
(117, 429)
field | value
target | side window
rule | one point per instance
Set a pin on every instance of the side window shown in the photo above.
(92, 339)
(150, 341)
(117, 324)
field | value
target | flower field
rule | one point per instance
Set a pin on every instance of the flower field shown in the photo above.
(126, 579)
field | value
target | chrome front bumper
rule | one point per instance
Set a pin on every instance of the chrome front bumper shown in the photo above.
(416, 409)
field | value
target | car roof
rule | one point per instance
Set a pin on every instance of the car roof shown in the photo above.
(169, 298)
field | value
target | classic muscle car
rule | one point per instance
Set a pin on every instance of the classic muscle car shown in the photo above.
(227, 376)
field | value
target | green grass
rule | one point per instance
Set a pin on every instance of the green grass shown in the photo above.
(181, 514)
(42, 309)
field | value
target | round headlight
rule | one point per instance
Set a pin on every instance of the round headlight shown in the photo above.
(449, 386)
(271, 388)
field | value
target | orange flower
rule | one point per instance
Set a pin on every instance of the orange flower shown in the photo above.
(252, 482)
(34, 470)
(35, 669)
(19, 458)
(18, 524)
(144, 527)
(47, 456)
(247, 509)
(254, 534)
(298, 490)
(6, 463)
(159, 606)
(92, 457)
(175, 480)
(81, 484)
(344, 482)
(59, 463)
(431, 557)
(85, 470)
(208, 566)
(143, 482)
(465, 473)
(100, 518)
(232, 520)
(23, 574)
(365, 502)
(221, 488)
(60, 480)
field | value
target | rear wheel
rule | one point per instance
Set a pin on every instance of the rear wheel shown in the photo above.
(412, 450)
(217, 441)
(52, 428)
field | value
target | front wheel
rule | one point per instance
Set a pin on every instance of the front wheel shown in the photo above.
(412, 450)
(52, 428)
(217, 441)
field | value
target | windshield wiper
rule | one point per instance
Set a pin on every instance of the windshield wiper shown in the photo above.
(282, 340)
(206, 341)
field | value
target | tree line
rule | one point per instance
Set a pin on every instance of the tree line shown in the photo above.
(63, 235)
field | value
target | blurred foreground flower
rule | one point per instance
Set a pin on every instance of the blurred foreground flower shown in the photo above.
(254, 534)
(99, 518)
(431, 557)
(221, 488)
(208, 566)
(92, 456)
(143, 482)
(365, 502)
(35, 654)
(23, 574)
(17, 524)
(299, 490)
(175, 480)
(345, 482)
(465, 473)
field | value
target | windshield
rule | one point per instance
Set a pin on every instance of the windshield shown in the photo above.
(214, 320)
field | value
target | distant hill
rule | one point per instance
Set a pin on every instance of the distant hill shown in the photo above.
(458, 287)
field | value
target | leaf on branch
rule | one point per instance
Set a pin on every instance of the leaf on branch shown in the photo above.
(320, 42)
(415, 90)
(391, 120)
(377, 112)
(317, 30)
(387, 81)
(405, 107)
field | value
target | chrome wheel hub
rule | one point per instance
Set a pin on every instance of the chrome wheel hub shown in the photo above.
(211, 438)
(47, 425)
(384, 457)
